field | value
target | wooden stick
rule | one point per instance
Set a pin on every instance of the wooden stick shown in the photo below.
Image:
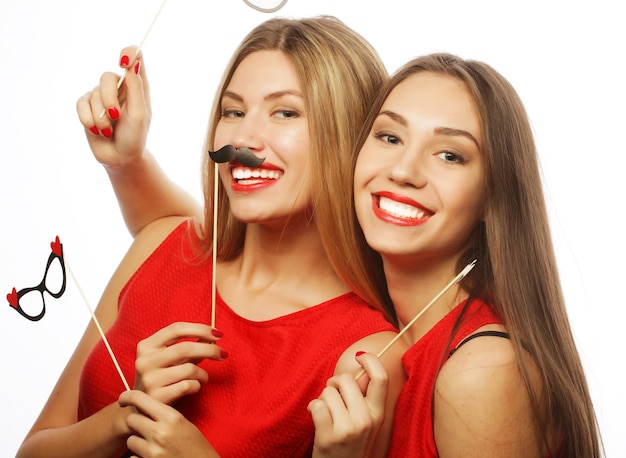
(214, 275)
(461, 275)
(97, 323)
(121, 80)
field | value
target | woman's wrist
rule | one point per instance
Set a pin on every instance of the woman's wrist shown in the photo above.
(120, 425)
(133, 165)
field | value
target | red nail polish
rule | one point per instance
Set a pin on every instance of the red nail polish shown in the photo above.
(113, 113)
(359, 353)
(124, 61)
(137, 67)
(107, 132)
(217, 333)
(223, 354)
(94, 130)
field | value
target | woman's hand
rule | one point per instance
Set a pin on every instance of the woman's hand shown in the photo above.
(167, 368)
(160, 430)
(348, 414)
(119, 137)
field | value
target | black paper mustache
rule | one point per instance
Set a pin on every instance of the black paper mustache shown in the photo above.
(243, 155)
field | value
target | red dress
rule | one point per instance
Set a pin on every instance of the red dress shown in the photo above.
(255, 403)
(413, 434)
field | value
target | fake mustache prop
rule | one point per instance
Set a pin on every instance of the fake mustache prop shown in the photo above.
(225, 154)
(243, 155)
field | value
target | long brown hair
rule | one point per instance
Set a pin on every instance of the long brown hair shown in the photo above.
(340, 74)
(516, 262)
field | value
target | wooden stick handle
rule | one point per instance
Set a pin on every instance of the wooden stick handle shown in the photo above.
(97, 323)
(121, 80)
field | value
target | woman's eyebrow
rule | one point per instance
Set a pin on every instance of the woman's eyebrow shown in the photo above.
(232, 95)
(279, 94)
(271, 96)
(395, 116)
(451, 131)
(457, 133)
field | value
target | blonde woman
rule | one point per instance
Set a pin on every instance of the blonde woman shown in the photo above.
(294, 304)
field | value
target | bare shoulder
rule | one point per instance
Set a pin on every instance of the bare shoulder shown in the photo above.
(481, 403)
(152, 235)
(144, 244)
(374, 343)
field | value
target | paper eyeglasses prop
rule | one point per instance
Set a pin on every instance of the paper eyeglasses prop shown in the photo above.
(30, 302)
(47, 285)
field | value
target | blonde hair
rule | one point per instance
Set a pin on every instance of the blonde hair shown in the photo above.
(517, 271)
(340, 74)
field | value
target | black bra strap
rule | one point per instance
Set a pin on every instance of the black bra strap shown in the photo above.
(479, 334)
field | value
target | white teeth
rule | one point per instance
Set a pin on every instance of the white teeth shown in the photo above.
(401, 210)
(244, 173)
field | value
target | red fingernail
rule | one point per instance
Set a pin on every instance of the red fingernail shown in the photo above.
(217, 333)
(107, 132)
(94, 130)
(359, 353)
(137, 67)
(223, 354)
(113, 113)
(124, 61)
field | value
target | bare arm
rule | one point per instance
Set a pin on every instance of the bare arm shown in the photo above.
(118, 141)
(57, 431)
(482, 407)
(145, 194)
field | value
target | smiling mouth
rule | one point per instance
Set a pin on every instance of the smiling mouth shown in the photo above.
(400, 210)
(247, 175)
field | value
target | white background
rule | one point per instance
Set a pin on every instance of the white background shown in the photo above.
(565, 58)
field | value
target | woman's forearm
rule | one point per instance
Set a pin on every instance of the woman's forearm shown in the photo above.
(103, 434)
(145, 193)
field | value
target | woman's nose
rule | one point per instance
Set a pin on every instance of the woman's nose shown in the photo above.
(409, 169)
(249, 133)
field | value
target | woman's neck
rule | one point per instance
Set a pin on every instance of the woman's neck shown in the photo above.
(288, 269)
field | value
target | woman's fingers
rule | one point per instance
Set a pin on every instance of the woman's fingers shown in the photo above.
(177, 353)
(378, 386)
(349, 413)
(342, 426)
(101, 109)
(166, 365)
(160, 430)
(131, 59)
(171, 383)
(344, 406)
(144, 403)
(85, 116)
(108, 97)
(349, 409)
(142, 421)
(178, 331)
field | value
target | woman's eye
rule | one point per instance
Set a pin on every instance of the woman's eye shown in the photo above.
(232, 114)
(388, 138)
(449, 156)
(286, 114)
